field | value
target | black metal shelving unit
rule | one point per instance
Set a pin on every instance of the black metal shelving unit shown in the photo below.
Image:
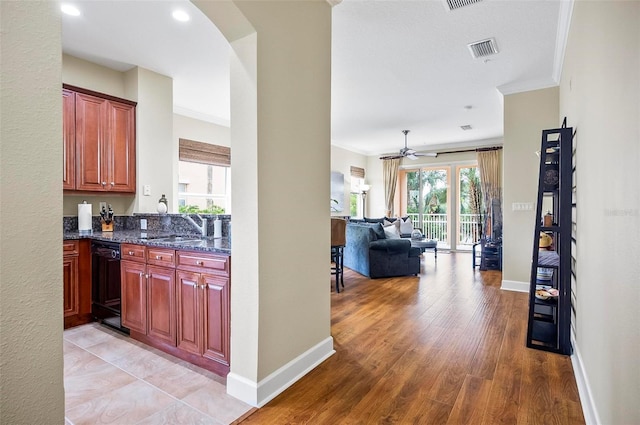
(549, 324)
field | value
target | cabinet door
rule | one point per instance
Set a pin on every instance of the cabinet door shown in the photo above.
(71, 285)
(91, 124)
(216, 318)
(189, 319)
(69, 139)
(161, 290)
(120, 159)
(134, 296)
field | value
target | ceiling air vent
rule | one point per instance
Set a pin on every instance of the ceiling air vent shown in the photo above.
(483, 48)
(466, 127)
(457, 4)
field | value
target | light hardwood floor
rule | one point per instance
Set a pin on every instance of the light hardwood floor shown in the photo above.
(447, 347)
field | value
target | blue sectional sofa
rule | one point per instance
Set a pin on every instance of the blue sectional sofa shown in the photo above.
(371, 254)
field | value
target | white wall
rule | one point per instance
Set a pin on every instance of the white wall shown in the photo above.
(156, 152)
(280, 141)
(525, 116)
(341, 162)
(31, 206)
(600, 96)
(202, 131)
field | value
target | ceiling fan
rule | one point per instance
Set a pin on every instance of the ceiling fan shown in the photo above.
(407, 152)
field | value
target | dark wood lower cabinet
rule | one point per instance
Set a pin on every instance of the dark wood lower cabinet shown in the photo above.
(183, 311)
(76, 282)
(134, 295)
(161, 302)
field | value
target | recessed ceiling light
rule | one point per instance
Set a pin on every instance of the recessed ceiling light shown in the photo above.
(180, 15)
(69, 10)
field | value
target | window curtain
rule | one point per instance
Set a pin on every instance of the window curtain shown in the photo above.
(489, 165)
(390, 169)
(357, 172)
(204, 153)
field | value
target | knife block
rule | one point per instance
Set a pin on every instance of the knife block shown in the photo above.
(107, 227)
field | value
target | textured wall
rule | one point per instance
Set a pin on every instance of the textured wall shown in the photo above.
(31, 325)
(600, 95)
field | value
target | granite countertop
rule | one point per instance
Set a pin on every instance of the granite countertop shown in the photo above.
(151, 238)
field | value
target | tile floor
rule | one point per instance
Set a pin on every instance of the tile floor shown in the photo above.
(112, 379)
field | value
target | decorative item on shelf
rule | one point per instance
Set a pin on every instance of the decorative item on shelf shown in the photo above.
(545, 241)
(548, 219)
(163, 206)
(106, 218)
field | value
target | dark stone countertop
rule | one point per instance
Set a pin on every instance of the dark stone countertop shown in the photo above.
(206, 244)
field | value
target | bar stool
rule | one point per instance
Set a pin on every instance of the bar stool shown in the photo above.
(338, 241)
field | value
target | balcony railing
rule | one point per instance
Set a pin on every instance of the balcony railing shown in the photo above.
(469, 229)
(434, 226)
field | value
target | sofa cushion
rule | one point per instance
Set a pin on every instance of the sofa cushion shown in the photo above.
(390, 245)
(374, 220)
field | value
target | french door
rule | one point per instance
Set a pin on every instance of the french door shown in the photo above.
(446, 212)
(425, 198)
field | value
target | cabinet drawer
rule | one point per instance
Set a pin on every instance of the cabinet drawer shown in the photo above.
(161, 257)
(70, 248)
(133, 252)
(195, 261)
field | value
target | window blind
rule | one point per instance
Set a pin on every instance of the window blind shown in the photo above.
(357, 172)
(204, 153)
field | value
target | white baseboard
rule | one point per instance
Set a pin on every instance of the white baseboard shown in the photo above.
(586, 397)
(257, 394)
(514, 285)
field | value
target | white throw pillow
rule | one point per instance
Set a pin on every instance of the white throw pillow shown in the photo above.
(406, 226)
(391, 231)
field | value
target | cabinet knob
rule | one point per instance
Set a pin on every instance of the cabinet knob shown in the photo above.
(158, 257)
(112, 184)
(200, 263)
(104, 183)
(131, 252)
(141, 274)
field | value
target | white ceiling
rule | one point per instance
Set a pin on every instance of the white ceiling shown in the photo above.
(395, 64)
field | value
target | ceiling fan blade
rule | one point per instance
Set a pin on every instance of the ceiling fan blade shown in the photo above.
(431, 154)
(412, 156)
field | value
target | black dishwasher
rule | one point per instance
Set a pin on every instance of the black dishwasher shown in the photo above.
(105, 284)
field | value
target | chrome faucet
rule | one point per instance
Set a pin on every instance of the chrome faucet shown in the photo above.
(202, 228)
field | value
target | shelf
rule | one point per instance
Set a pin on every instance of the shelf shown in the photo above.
(550, 320)
(544, 333)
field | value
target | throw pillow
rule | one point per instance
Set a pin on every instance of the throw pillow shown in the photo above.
(406, 226)
(391, 231)
(378, 230)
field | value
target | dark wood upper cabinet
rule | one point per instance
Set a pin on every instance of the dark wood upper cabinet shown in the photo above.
(69, 139)
(105, 142)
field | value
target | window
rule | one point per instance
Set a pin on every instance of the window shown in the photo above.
(356, 205)
(204, 177)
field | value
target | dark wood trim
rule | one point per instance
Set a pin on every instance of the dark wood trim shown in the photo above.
(98, 94)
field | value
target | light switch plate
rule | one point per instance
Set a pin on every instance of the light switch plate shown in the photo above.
(103, 205)
(146, 190)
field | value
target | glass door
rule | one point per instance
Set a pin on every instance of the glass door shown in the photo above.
(425, 199)
(469, 206)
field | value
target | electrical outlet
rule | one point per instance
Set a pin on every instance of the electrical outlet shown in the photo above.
(143, 224)
(146, 190)
(103, 206)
